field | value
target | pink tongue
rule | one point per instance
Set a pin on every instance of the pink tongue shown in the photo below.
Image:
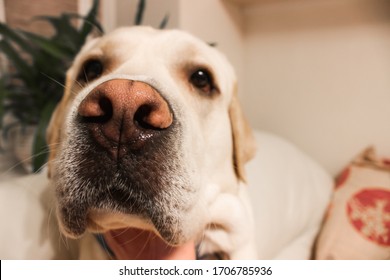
(136, 244)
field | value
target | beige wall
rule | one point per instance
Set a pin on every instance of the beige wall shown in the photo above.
(217, 22)
(2, 11)
(318, 73)
(21, 13)
(122, 13)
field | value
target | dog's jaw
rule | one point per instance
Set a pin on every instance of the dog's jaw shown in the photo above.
(126, 201)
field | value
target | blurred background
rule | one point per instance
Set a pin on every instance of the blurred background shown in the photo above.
(316, 72)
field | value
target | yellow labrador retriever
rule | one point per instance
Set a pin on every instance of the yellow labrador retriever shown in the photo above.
(147, 150)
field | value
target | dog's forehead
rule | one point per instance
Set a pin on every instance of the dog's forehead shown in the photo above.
(148, 39)
(173, 46)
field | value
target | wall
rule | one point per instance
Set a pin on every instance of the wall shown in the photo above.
(21, 13)
(2, 11)
(317, 73)
(122, 13)
(218, 22)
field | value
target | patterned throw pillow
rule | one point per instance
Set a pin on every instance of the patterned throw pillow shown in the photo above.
(357, 225)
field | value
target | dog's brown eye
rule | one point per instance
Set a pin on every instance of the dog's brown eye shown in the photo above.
(202, 80)
(91, 70)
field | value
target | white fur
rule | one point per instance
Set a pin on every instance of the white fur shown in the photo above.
(158, 58)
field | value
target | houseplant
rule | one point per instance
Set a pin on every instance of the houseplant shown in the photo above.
(34, 85)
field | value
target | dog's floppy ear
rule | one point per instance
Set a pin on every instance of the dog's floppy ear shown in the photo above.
(53, 132)
(244, 145)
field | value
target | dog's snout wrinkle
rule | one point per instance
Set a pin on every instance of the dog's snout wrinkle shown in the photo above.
(124, 112)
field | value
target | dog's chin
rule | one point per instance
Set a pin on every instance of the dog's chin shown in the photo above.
(102, 221)
(99, 221)
(131, 237)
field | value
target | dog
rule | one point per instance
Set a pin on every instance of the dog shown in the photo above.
(147, 150)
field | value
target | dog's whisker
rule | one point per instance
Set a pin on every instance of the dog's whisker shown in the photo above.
(65, 241)
(79, 84)
(149, 238)
(123, 231)
(62, 239)
(25, 160)
(73, 91)
(54, 80)
(86, 76)
(132, 239)
(201, 243)
(53, 144)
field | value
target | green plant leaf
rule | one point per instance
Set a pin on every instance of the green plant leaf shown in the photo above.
(48, 45)
(21, 66)
(61, 24)
(66, 33)
(3, 94)
(140, 12)
(16, 37)
(164, 22)
(40, 149)
(32, 89)
(90, 22)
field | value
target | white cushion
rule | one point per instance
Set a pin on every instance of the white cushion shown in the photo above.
(290, 193)
(24, 216)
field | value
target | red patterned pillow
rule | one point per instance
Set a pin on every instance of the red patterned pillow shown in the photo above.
(357, 225)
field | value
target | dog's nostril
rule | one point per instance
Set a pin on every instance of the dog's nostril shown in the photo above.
(107, 108)
(141, 117)
(96, 111)
(153, 115)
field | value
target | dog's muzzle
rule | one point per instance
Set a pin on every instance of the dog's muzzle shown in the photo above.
(123, 114)
(123, 154)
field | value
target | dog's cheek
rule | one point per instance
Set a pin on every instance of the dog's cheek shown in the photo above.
(72, 225)
(69, 194)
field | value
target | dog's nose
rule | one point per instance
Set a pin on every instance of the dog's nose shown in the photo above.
(125, 112)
